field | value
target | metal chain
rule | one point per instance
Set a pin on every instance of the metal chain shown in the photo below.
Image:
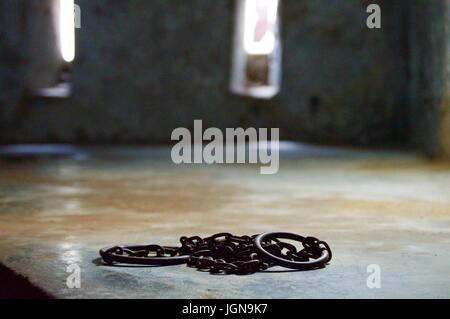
(223, 253)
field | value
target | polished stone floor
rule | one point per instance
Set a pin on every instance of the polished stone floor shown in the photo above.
(386, 208)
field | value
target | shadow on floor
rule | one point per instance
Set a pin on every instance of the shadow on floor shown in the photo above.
(14, 286)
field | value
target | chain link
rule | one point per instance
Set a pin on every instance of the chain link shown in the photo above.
(222, 253)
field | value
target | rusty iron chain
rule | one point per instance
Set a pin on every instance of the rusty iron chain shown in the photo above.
(225, 253)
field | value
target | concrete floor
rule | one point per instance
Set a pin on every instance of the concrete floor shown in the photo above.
(385, 208)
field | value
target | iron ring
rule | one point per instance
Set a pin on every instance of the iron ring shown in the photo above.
(306, 265)
(111, 258)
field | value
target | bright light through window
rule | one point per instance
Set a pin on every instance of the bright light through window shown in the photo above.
(67, 29)
(260, 26)
(257, 47)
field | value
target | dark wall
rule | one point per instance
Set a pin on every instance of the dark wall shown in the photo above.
(146, 67)
(429, 99)
(445, 130)
(12, 72)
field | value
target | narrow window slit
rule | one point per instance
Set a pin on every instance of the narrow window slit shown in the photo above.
(52, 26)
(67, 29)
(256, 69)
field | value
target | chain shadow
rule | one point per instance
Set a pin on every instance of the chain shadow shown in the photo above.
(100, 263)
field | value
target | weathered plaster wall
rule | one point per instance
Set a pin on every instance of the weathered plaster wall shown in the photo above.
(445, 133)
(146, 67)
(44, 63)
(429, 102)
(12, 73)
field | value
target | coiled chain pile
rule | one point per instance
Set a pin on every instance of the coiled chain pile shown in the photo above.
(225, 253)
